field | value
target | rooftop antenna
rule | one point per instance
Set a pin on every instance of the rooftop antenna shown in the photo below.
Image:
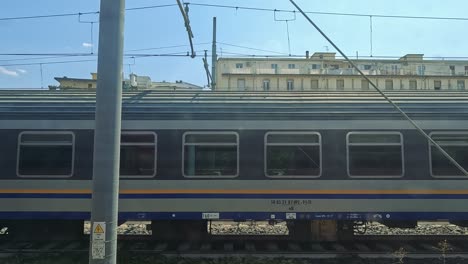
(287, 26)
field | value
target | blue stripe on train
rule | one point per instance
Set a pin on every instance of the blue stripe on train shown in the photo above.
(246, 215)
(243, 196)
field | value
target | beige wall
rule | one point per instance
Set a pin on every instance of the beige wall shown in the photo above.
(303, 83)
(254, 71)
(78, 84)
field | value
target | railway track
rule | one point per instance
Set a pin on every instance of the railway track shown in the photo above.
(375, 247)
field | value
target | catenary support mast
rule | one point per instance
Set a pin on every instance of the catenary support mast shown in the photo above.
(103, 247)
(214, 58)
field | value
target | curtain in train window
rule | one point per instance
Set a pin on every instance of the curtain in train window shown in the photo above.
(45, 154)
(211, 154)
(456, 145)
(375, 154)
(292, 154)
(138, 154)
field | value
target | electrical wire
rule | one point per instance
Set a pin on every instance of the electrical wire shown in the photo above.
(243, 8)
(250, 48)
(80, 13)
(46, 63)
(170, 47)
(329, 13)
(395, 106)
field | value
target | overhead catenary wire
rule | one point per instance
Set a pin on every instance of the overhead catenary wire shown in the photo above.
(242, 8)
(131, 56)
(80, 13)
(327, 13)
(395, 106)
(250, 48)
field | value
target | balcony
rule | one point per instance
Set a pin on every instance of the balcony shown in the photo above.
(239, 71)
(289, 71)
(266, 71)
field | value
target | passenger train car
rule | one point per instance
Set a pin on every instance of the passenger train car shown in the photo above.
(319, 160)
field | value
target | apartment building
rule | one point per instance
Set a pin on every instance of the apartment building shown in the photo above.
(323, 71)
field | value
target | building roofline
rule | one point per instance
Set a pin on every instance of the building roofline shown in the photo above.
(73, 79)
(392, 60)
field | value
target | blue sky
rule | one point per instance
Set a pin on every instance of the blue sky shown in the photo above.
(162, 27)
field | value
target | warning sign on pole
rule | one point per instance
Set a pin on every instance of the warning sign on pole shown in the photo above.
(98, 247)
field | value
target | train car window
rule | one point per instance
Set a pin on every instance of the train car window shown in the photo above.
(210, 154)
(45, 154)
(375, 154)
(138, 152)
(293, 155)
(455, 144)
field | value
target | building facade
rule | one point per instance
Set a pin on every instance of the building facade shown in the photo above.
(324, 72)
(135, 82)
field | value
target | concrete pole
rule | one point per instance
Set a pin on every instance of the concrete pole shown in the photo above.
(214, 58)
(103, 246)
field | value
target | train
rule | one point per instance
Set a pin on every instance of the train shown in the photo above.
(320, 161)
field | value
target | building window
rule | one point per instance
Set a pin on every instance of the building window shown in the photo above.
(138, 154)
(266, 85)
(388, 84)
(334, 66)
(461, 84)
(367, 67)
(364, 85)
(241, 84)
(421, 70)
(456, 145)
(315, 66)
(90, 85)
(413, 85)
(292, 154)
(274, 66)
(372, 154)
(340, 85)
(291, 66)
(290, 85)
(239, 65)
(437, 85)
(466, 70)
(210, 154)
(45, 154)
(452, 69)
(314, 84)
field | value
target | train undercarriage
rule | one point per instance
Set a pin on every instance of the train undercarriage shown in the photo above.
(194, 230)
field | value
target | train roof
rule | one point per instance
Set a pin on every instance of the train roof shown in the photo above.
(37, 104)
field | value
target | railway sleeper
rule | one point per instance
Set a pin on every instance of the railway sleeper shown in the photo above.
(43, 230)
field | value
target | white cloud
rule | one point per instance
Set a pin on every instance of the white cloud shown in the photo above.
(5, 71)
(22, 71)
(87, 45)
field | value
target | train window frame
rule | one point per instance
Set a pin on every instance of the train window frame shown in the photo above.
(18, 154)
(142, 144)
(430, 154)
(265, 146)
(402, 151)
(184, 143)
